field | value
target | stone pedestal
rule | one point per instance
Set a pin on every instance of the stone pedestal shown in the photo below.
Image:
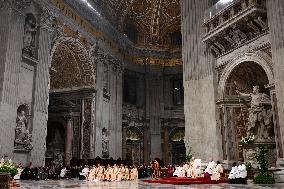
(5, 181)
(250, 151)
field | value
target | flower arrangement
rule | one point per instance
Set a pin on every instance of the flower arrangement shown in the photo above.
(248, 139)
(8, 167)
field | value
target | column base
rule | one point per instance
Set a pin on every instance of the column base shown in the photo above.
(279, 171)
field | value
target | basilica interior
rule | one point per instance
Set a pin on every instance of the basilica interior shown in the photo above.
(141, 79)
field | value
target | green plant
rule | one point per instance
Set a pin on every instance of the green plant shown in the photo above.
(264, 179)
(264, 176)
(8, 167)
(249, 170)
(189, 154)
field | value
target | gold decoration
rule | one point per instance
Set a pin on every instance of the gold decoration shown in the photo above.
(70, 67)
(172, 26)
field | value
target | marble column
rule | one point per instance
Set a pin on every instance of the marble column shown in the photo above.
(68, 140)
(200, 84)
(100, 56)
(166, 145)
(275, 21)
(124, 143)
(145, 143)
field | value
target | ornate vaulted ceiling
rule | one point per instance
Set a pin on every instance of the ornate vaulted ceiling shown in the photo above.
(155, 24)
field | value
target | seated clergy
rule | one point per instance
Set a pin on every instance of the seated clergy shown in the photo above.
(209, 169)
(84, 173)
(63, 172)
(242, 173)
(177, 172)
(216, 173)
(233, 174)
(196, 168)
(92, 174)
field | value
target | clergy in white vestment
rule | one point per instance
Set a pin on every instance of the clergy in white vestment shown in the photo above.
(242, 173)
(176, 172)
(63, 172)
(209, 169)
(85, 172)
(233, 174)
(216, 173)
(196, 171)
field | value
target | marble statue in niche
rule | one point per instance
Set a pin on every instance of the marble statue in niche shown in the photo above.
(260, 115)
(23, 138)
(29, 39)
(105, 143)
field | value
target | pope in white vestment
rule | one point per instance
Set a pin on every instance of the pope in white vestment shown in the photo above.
(210, 167)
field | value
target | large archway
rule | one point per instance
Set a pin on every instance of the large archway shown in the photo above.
(237, 115)
(72, 89)
(71, 66)
(178, 150)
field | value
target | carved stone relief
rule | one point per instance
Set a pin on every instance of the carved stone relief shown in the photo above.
(87, 127)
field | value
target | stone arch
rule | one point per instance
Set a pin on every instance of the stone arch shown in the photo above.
(177, 134)
(134, 134)
(24, 107)
(71, 65)
(260, 58)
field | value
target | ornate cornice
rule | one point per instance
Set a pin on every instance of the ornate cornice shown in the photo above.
(47, 19)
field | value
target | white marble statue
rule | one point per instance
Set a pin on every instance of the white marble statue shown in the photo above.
(22, 134)
(105, 142)
(259, 117)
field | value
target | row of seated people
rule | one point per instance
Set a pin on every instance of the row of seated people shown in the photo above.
(238, 173)
(213, 170)
(109, 173)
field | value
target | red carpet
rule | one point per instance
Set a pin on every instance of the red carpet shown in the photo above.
(184, 181)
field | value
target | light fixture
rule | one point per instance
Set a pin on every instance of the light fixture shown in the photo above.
(91, 7)
(225, 1)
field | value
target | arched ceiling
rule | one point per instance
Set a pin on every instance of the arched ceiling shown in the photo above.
(154, 20)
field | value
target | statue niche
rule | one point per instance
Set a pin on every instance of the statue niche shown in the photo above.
(29, 39)
(23, 138)
(105, 143)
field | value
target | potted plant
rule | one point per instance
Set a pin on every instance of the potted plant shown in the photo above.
(263, 177)
(7, 171)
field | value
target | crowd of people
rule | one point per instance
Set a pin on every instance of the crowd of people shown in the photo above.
(119, 172)
(108, 173)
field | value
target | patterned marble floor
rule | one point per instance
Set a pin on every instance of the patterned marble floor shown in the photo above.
(75, 184)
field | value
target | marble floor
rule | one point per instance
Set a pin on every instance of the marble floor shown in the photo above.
(75, 184)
